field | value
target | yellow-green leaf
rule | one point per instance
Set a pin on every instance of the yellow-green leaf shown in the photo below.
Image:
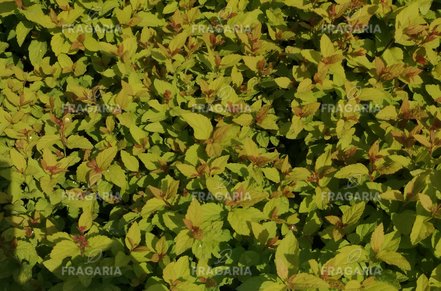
(201, 125)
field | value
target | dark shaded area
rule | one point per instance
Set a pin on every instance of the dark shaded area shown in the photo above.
(7, 246)
(317, 243)
(295, 149)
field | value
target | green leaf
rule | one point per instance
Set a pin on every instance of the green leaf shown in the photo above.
(326, 46)
(178, 41)
(262, 283)
(353, 214)
(394, 258)
(117, 176)
(35, 14)
(324, 160)
(26, 251)
(22, 30)
(105, 158)
(283, 82)
(37, 50)
(272, 174)
(240, 219)
(130, 162)
(162, 86)
(307, 281)
(133, 236)
(170, 8)
(201, 125)
(176, 270)
(295, 3)
(231, 60)
(421, 229)
(183, 242)
(151, 206)
(377, 238)
(47, 141)
(64, 249)
(187, 170)
(435, 278)
(99, 242)
(423, 283)
(387, 113)
(404, 221)
(86, 219)
(287, 256)
(217, 188)
(18, 160)
(78, 142)
(424, 6)
(351, 171)
(150, 20)
(138, 134)
(348, 255)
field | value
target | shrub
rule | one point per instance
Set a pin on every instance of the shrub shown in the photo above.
(193, 145)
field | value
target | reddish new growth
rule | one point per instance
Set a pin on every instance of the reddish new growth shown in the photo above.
(196, 232)
(314, 178)
(167, 96)
(93, 165)
(81, 241)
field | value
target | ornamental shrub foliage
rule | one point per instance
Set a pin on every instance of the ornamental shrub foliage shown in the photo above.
(220, 145)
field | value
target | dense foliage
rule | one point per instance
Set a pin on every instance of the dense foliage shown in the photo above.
(196, 145)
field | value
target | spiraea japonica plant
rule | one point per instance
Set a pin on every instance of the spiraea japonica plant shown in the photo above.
(220, 145)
